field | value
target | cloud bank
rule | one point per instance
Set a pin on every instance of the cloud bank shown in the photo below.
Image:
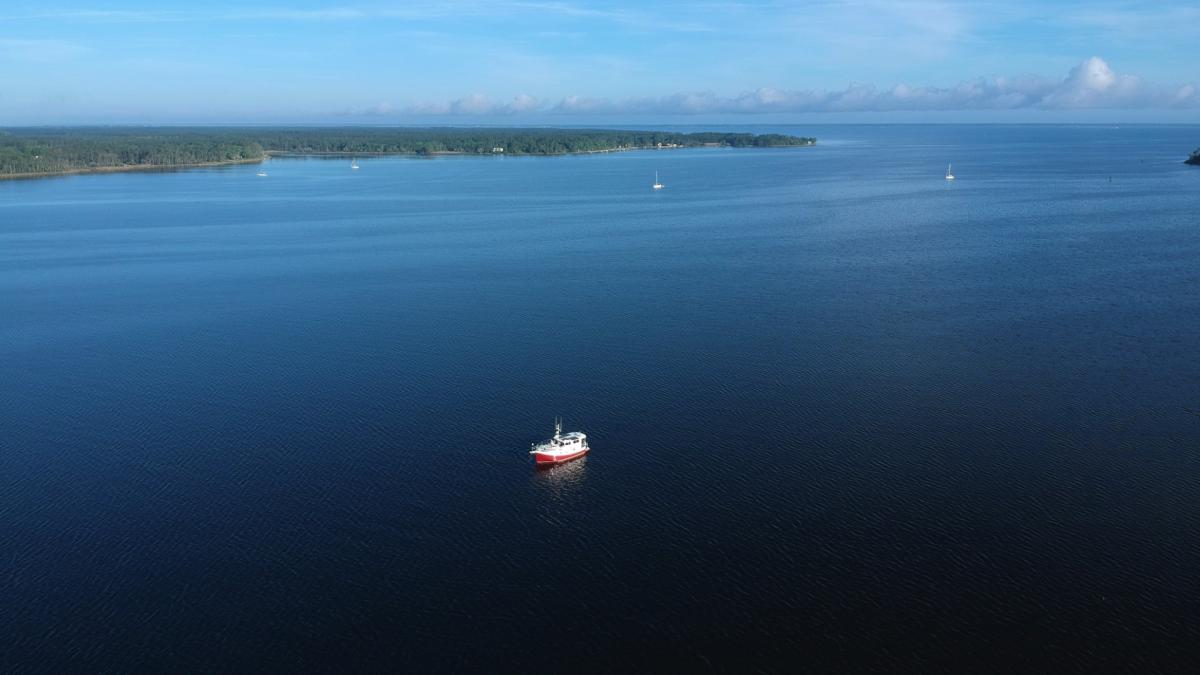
(1090, 85)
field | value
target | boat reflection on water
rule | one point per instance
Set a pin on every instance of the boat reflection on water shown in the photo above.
(560, 480)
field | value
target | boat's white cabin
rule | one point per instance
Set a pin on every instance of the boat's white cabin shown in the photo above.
(561, 441)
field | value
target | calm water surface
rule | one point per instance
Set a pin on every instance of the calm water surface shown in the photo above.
(844, 414)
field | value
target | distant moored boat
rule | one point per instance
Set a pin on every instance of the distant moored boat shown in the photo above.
(354, 164)
(657, 185)
(949, 173)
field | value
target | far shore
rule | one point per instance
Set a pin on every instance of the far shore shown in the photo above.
(438, 153)
(268, 154)
(128, 168)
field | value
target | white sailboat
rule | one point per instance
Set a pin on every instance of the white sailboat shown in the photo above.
(262, 173)
(949, 173)
(354, 163)
(657, 185)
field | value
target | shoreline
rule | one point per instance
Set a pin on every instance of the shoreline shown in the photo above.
(439, 153)
(269, 154)
(131, 168)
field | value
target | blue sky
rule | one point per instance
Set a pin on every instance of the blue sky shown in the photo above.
(112, 61)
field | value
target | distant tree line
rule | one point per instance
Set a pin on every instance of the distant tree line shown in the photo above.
(57, 150)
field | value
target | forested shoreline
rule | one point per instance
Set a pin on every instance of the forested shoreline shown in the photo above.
(31, 152)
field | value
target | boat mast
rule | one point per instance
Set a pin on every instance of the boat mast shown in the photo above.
(557, 427)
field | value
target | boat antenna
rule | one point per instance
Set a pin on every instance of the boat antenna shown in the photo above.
(557, 427)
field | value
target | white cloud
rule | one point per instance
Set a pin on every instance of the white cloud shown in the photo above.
(1092, 84)
(478, 105)
(524, 103)
(382, 108)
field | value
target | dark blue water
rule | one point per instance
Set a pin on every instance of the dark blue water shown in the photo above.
(844, 415)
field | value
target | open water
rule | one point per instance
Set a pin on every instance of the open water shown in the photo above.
(844, 414)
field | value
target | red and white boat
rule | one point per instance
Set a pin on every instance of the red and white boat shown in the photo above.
(561, 448)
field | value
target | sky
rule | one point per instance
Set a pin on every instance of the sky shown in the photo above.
(581, 62)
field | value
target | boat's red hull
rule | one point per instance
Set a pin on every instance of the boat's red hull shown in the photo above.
(541, 458)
